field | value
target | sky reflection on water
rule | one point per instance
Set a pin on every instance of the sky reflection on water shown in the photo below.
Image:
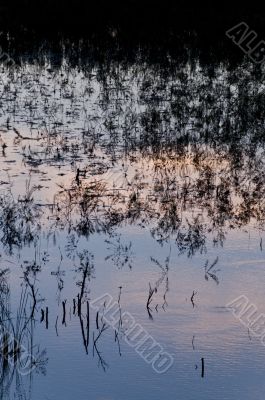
(127, 178)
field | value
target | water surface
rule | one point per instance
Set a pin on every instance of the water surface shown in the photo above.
(133, 181)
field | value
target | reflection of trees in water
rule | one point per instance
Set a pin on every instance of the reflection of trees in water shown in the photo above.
(185, 197)
(187, 139)
(120, 254)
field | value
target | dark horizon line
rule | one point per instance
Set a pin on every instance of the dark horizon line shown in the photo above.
(128, 17)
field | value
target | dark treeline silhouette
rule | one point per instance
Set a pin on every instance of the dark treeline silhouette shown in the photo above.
(164, 24)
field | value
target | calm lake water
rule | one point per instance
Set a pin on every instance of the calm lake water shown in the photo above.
(145, 184)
